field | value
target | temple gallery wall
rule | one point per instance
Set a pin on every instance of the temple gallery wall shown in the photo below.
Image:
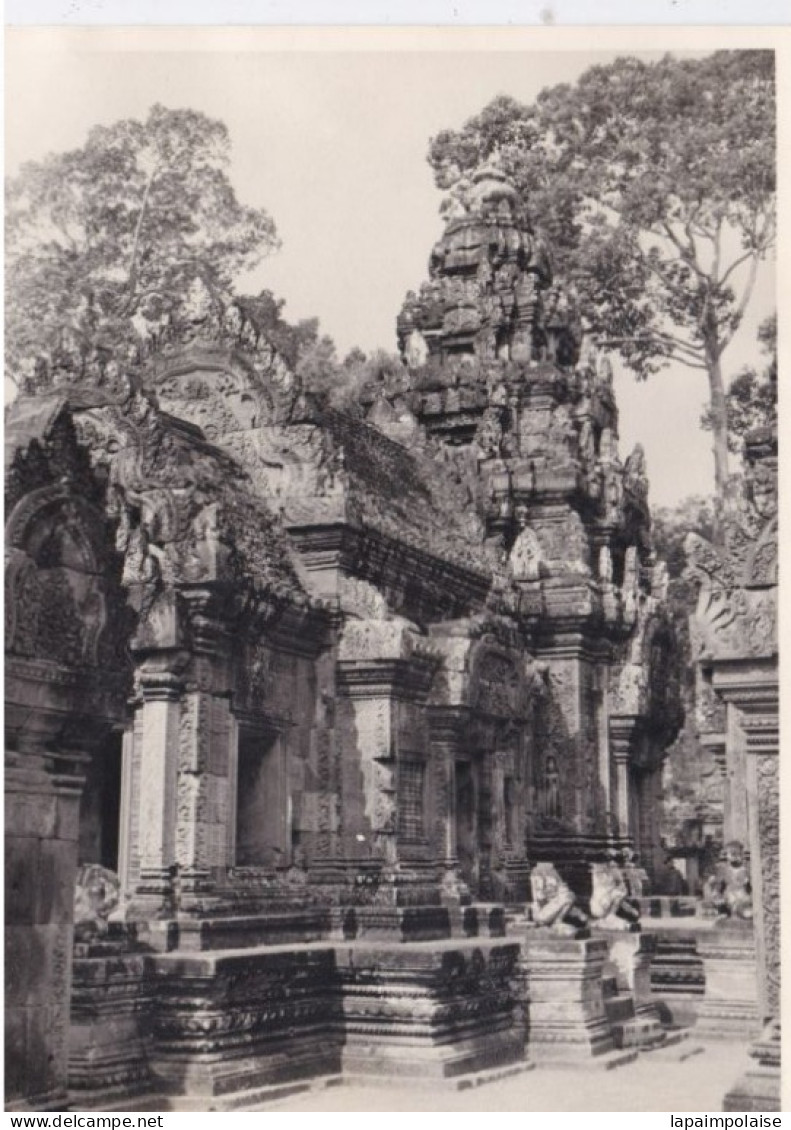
(334, 745)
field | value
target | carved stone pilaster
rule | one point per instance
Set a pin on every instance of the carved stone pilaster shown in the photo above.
(381, 664)
(447, 728)
(156, 751)
(751, 686)
(622, 733)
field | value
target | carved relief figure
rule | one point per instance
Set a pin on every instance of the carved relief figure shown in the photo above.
(551, 789)
(631, 584)
(416, 351)
(562, 434)
(605, 565)
(525, 559)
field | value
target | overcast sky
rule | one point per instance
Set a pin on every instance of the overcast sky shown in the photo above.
(333, 144)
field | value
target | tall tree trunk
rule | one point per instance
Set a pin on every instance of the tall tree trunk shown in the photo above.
(719, 423)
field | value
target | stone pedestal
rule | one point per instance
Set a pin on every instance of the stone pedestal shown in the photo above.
(235, 1029)
(110, 1022)
(232, 1029)
(632, 1011)
(405, 923)
(630, 960)
(677, 976)
(729, 1008)
(567, 1019)
(759, 1087)
(430, 1012)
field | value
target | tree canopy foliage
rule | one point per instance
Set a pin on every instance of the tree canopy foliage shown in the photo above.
(341, 383)
(655, 184)
(105, 242)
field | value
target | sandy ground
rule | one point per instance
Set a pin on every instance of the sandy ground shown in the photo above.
(652, 1083)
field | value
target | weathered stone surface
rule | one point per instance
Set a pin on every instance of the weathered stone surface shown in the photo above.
(334, 687)
(729, 1008)
(567, 1018)
(436, 1011)
(109, 1034)
(759, 1087)
(735, 629)
(235, 1023)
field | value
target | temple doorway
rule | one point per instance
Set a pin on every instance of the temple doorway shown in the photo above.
(466, 810)
(100, 804)
(262, 818)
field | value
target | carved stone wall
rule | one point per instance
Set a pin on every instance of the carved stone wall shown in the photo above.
(123, 580)
(362, 682)
(735, 630)
(65, 687)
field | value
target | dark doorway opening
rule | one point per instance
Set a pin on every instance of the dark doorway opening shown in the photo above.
(467, 824)
(100, 804)
(262, 838)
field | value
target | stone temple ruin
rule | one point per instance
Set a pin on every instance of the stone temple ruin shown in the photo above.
(348, 734)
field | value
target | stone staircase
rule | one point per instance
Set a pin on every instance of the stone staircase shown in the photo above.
(677, 967)
(640, 1029)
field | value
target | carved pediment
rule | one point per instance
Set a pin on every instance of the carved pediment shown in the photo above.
(223, 390)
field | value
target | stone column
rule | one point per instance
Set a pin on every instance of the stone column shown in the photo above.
(717, 745)
(650, 805)
(42, 792)
(447, 727)
(156, 753)
(126, 865)
(382, 666)
(738, 826)
(621, 732)
(206, 759)
(379, 664)
(369, 779)
(602, 738)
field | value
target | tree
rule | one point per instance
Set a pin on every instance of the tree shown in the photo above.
(340, 384)
(689, 770)
(104, 243)
(655, 184)
(751, 399)
(317, 363)
(670, 526)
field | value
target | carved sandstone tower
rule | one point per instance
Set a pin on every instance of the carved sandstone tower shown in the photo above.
(499, 380)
